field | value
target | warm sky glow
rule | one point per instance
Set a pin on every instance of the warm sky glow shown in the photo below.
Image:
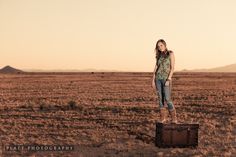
(116, 34)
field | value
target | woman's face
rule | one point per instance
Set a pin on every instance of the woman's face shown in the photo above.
(161, 47)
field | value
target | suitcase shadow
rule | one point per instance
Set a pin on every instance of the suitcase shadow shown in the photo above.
(144, 137)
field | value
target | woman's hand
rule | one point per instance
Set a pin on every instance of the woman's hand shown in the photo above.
(153, 83)
(167, 83)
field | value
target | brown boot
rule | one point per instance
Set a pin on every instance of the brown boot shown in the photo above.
(163, 115)
(173, 116)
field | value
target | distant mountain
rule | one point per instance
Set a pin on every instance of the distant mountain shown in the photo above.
(9, 69)
(227, 68)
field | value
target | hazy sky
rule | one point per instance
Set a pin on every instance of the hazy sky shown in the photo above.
(116, 34)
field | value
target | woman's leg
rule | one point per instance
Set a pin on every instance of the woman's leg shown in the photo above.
(167, 90)
(170, 104)
(160, 89)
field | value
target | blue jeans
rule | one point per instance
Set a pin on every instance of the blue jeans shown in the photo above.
(164, 93)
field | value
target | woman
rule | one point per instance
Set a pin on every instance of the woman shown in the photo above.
(162, 81)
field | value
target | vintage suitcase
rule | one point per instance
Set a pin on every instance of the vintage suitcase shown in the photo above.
(176, 135)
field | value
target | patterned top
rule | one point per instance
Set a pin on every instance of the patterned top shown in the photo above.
(164, 66)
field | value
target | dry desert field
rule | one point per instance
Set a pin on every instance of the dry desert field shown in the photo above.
(113, 113)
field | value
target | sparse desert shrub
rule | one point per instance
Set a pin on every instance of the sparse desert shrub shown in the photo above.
(72, 104)
(42, 106)
(29, 105)
(135, 109)
(139, 99)
(80, 108)
(116, 110)
(139, 109)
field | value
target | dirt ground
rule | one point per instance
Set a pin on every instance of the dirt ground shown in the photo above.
(113, 114)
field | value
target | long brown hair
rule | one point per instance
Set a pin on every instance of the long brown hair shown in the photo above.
(157, 50)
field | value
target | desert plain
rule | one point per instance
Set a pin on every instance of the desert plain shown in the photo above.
(113, 113)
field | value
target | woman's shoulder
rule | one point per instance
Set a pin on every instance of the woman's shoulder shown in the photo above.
(170, 51)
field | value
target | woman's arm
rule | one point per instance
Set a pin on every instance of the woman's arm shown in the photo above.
(153, 78)
(154, 72)
(172, 65)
